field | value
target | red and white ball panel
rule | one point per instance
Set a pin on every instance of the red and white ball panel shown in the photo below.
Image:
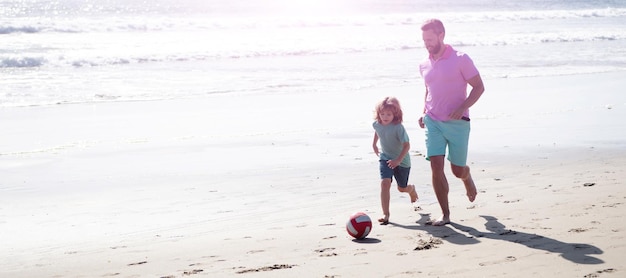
(359, 225)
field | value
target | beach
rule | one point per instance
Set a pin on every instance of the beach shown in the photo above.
(169, 188)
(226, 138)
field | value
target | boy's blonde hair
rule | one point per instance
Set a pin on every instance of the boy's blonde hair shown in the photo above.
(390, 104)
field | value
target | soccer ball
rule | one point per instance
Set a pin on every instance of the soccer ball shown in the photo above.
(359, 225)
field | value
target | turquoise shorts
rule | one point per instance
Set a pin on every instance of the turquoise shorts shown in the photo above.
(453, 134)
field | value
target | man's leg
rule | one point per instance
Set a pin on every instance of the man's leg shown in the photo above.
(440, 185)
(458, 136)
(463, 173)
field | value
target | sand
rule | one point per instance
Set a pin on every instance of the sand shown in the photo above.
(261, 186)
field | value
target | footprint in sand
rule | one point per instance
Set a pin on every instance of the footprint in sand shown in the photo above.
(577, 230)
(428, 244)
(326, 252)
(597, 273)
(505, 260)
(191, 272)
(267, 268)
(507, 232)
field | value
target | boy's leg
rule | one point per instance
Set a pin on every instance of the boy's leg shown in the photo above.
(402, 179)
(385, 197)
(411, 190)
(386, 176)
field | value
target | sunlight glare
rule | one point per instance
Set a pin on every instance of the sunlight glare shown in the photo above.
(307, 8)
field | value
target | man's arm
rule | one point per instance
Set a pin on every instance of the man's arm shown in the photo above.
(421, 119)
(477, 90)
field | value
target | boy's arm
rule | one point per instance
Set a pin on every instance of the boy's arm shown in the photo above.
(405, 150)
(375, 144)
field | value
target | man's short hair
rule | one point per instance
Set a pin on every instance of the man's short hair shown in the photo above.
(434, 24)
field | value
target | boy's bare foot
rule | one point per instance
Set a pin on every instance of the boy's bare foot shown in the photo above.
(384, 220)
(413, 193)
(439, 222)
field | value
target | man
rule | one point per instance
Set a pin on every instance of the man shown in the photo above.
(446, 74)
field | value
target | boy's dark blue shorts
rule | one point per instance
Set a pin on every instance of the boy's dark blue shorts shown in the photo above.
(400, 173)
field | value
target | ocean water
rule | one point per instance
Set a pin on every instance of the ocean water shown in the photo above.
(90, 51)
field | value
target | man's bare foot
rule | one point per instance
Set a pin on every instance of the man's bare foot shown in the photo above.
(413, 193)
(439, 222)
(384, 220)
(470, 188)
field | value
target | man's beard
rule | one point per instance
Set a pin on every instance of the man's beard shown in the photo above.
(435, 49)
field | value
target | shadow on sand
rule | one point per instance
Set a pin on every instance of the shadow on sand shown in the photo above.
(459, 234)
(367, 240)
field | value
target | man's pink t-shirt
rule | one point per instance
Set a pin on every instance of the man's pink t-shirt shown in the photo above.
(446, 82)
